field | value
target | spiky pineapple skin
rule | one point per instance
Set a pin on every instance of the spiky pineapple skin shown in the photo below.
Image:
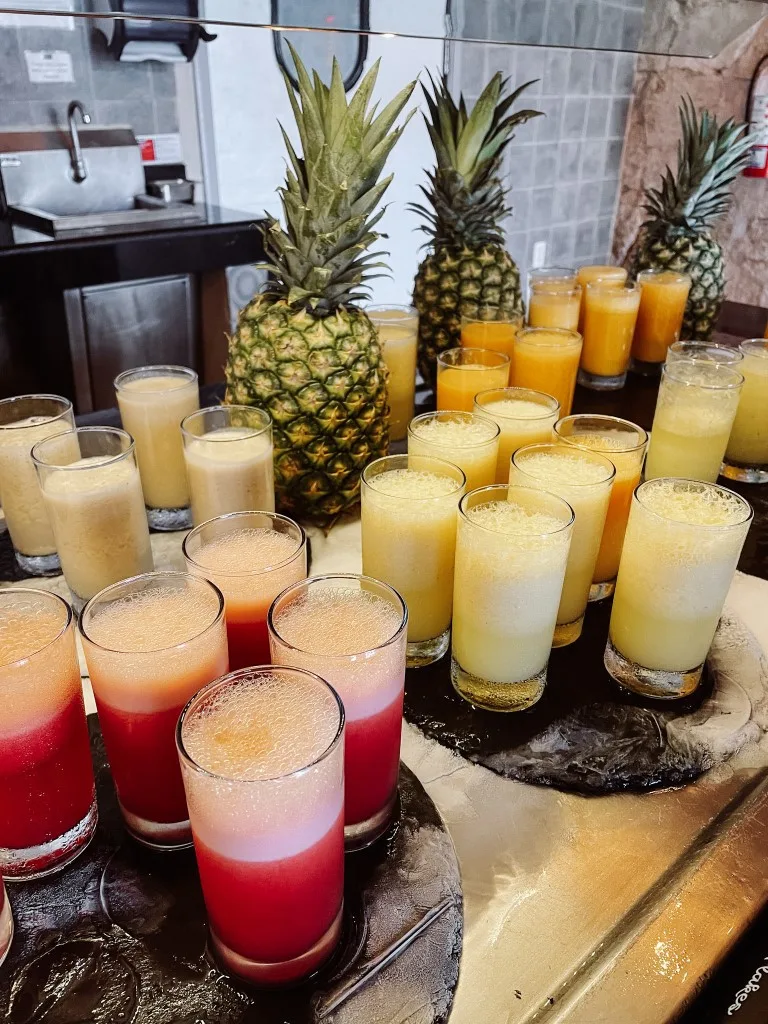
(324, 383)
(455, 282)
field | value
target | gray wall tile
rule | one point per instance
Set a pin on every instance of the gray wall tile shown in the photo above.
(580, 74)
(530, 20)
(547, 128)
(15, 114)
(556, 73)
(545, 167)
(569, 155)
(476, 68)
(561, 26)
(540, 215)
(589, 199)
(584, 242)
(609, 33)
(625, 74)
(592, 160)
(521, 202)
(603, 73)
(633, 29)
(608, 197)
(530, 64)
(617, 121)
(561, 245)
(597, 117)
(166, 116)
(574, 118)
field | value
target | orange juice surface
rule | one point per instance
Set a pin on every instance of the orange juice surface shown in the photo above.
(554, 307)
(611, 276)
(609, 324)
(663, 297)
(548, 361)
(458, 385)
(493, 335)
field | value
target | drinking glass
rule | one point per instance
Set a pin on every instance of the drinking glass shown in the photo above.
(228, 453)
(262, 757)
(706, 350)
(409, 506)
(398, 328)
(496, 335)
(609, 275)
(511, 553)
(6, 924)
(746, 457)
(554, 298)
(552, 277)
(92, 492)
(462, 372)
(153, 400)
(23, 422)
(610, 315)
(524, 417)
(47, 797)
(150, 643)
(547, 359)
(351, 630)
(251, 557)
(663, 297)
(465, 439)
(680, 552)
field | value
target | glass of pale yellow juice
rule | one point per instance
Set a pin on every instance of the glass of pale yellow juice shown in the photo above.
(746, 457)
(695, 411)
(524, 417)
(663, 297)
(511, 553)
(492, 335)
(610, 315)
(467, 440)
(624, 443)
(463, 372)
(398, 328)
(680, 552)
(409, 510)
(708, 351)
(547, 359)
(584, 479)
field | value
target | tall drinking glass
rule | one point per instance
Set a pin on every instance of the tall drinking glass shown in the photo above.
(746, 457)
(524, 417)
(663, 297)
(584, 479)
(624, 443)
(228, 452)
(511, 552)
(352, 631)
(491, 335)
(262, 756)
(547, 359)
(608, 274)
(695, 410)
(47, 797)
(398, 328)
(92, 492)
(409, 506)
(706, 350)
(6, 924)
(553, 301)
(251, 557)
(23, 422)
(610, 315)
(150, 643)
(153, 400)
(563, 278)
(463, 372)
(680, 552)
(469, 441)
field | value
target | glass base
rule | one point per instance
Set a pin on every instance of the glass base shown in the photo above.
(158, 835)
(567, 632)
(484, 693)
(425, 652)
(650, 682)
(747, 474)
(169, 519)
(599, 591)
(47, 858)
(6, 929)
(645, 369)
(39, 565)
(598, 383)
(288, 971)
(364, 833)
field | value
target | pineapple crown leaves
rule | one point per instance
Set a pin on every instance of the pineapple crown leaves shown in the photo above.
(320, 259)
(467, 200)
(709, 157)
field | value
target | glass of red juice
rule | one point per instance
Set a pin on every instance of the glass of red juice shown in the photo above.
(351, 630)
(251, 557)
(262, 755)
(6, 923)
(47, 798)
(150, 643)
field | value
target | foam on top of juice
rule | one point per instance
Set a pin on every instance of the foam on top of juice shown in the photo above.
(162, 382)
(338, 621)
(246, 550)
(261, 728)
(154, 619)
(461, 433)
(414, 483)
(28, 421)
(84, 480)
(707, 373)
(517, 408)
(694, 505)
(217, 444)
(608, 441)
(509, 517)
(25, 629)
(567, 465)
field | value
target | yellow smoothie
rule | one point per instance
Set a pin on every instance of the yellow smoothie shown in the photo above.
(465, 439)
(398, 328)
(524, 417)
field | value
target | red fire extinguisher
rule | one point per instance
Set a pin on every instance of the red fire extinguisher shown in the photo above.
(757, 116)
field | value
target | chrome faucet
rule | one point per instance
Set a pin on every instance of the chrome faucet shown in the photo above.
(79, 170)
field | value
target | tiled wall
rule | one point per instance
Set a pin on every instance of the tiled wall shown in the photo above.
(141, 95)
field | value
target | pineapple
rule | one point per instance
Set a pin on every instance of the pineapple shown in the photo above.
(303, 350)
(676, 236)
(467, 271)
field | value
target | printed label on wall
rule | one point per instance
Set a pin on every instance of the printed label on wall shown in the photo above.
(161, 149)
(49, 66)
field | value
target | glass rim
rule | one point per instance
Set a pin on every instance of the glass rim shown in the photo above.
(409, 312)
(235, 676)
(760, 348)
(502, 358)
(528, 391)
(7, 402)
(637, 429)
(676, 346)
(671, 369)
(544, 288)
(602, 284)
(553, 271)
(255, 431)
(676, 276)
(701, 484)
(108, 460)
(48, 595)
(424, 416)
(571, 483)
(460, 484)
(508, 488)
(514, 318)
(244, 573)
(564, 335)
(168, 369)
(148, 576)
(358, 577)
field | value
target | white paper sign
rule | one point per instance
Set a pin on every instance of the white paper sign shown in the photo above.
(49, 66)
(161, 149)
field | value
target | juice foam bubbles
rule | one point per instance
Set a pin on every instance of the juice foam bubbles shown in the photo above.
(469, 441)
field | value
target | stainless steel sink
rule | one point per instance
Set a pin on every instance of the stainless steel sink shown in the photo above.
(62, 225)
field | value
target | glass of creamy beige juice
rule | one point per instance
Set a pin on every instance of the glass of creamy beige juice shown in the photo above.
(466, 439)
(706, 350)
(680, 552)
(511, 553)
(24, 421)
(153, 400)
(228, 452)
(398, 328)
(584, 479)
(409, 510)
(524, 417)
(695, 411)
(746, 457)
(92, 490)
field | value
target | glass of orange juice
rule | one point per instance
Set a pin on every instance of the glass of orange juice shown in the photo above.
(547, 359)
(610, 315)
(493, 335)
(610, 275)
(554, 298)
(463, 372)
(624, 443)
(663, 297)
